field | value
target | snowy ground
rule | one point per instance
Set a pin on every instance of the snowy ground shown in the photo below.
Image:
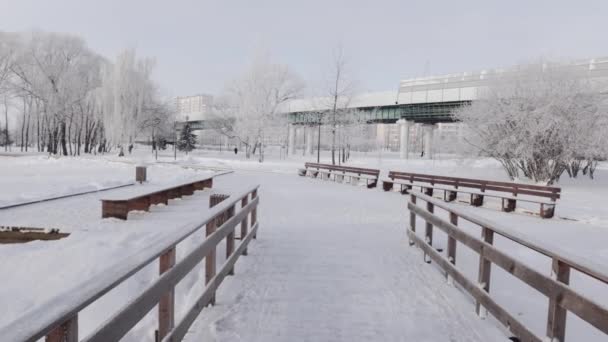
(331, 262)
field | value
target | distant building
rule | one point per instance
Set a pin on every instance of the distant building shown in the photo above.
(193, 108)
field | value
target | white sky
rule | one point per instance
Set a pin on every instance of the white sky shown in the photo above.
(199, 45)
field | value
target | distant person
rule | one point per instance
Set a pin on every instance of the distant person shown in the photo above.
(236, 150)
(130, 148)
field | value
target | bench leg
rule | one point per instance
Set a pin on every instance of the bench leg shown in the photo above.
(405, 189)
(373, 184)
(387, 186)
(428, 191)
(508, 205)
(449, 196)
(547, 210)
(476, 200)
(302, 172)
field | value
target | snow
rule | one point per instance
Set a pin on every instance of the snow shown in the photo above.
(331, 261)
(370, 99)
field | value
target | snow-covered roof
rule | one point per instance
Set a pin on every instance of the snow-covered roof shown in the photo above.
(373, 99)
(444, 88)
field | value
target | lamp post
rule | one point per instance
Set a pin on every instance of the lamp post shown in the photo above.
(319, 139)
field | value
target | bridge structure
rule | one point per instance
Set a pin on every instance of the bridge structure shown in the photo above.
(424, 101)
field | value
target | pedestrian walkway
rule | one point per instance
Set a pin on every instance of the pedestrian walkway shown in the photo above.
(331, 263)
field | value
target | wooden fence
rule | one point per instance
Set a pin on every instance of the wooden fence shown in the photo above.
(562, 298)
(58, 318)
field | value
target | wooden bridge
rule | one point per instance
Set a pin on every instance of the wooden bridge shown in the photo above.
(324, 270)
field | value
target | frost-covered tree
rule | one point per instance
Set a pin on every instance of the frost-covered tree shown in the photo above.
(539, 122)
(254, 98)
(127, 90)
(187, 139)
(339, 90)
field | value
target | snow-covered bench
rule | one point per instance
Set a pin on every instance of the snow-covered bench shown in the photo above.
(477, 189)
(340, 174)
(120, 206)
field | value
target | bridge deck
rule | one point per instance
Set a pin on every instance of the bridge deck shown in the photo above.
(332, 264)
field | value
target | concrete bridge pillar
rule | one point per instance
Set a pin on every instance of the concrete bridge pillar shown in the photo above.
(291, 140)
(428, 140)
(309, 137)
(404, 138)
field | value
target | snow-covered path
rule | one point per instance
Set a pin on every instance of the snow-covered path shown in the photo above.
(332, 264)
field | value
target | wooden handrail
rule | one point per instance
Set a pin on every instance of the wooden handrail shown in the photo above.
(63, 309)
(562, 297)
(593, 270)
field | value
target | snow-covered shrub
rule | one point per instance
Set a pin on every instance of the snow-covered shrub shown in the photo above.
(539, 122)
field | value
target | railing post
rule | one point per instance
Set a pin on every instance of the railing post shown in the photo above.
(245, 221)
(412, 217)
(452, 246)
(166, 305)
(556, 321)
(230, 238)
(487, 235)
(66, 332)
(430, 207)
(254, 211)
(210, 263)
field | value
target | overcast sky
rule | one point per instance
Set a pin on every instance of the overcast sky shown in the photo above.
(199, 45)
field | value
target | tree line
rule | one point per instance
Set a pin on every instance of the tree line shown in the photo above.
(68, 99)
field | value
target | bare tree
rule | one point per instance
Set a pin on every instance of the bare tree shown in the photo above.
(340, 89)
(253, 100)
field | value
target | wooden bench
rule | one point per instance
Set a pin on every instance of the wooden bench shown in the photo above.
(340, 173)
(477, 189)
(119, 207)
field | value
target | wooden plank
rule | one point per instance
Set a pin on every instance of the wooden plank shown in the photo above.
(166, 305)
(412, 216)
(184, 324)
(210, 259)
(66, 332)
(230, 240)
(451, 252)
(244, 223)
(582, 267)
(485, 266)
(40, 321)
(503, 316)
(586, 309)
(556, 320)
(123, 321)
(430, 208)
(254, 212)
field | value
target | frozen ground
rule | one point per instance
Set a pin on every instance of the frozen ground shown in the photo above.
(331, 262)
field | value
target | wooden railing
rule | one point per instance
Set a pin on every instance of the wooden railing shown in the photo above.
(562, 298)
(58, 318)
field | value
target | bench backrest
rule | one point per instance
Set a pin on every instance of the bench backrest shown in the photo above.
(357, 170)
(514, 188)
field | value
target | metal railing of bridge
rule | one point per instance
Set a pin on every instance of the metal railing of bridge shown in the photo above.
(562, 297)
(57, 319)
